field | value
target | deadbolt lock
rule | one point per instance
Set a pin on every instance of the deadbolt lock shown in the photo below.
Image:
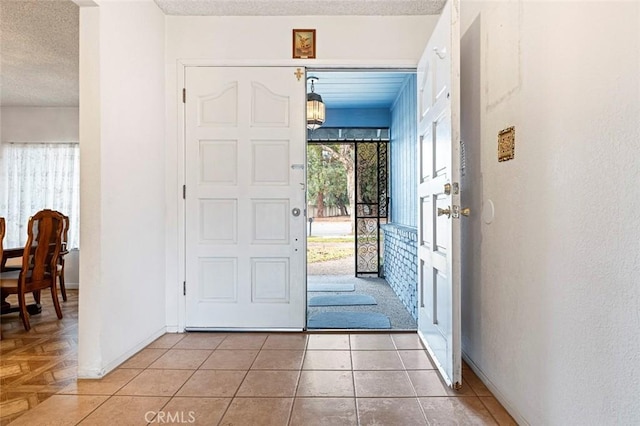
(449, 187)
(465, 212)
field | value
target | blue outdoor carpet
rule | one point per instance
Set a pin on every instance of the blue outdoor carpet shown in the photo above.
(331, 287)
(342, 300)
(349, 320)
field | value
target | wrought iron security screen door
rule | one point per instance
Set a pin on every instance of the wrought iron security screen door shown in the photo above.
(371, 183)
(366, 152)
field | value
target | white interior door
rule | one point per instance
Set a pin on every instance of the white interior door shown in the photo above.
(439, 197)
(245, 198)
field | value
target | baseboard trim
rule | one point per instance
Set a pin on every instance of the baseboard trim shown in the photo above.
(100, 373)
(72, 286)
(506, 403)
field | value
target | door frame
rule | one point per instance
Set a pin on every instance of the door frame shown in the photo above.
(176, 290)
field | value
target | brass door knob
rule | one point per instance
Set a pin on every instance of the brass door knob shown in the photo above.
(446, 211)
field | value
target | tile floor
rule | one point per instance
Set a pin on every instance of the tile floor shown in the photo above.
(242, 379)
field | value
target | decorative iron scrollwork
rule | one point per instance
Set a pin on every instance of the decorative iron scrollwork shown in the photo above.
(371, 203)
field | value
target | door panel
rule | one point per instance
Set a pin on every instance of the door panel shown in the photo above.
(438, 224)
(245, 156)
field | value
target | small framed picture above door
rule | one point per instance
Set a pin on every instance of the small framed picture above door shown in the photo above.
(304, 44)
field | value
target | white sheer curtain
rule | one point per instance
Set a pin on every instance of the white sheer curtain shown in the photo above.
(38, 176)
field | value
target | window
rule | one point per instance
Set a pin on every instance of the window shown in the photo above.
(38, 176)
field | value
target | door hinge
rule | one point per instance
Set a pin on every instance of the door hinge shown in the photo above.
(184, 288)
(184, 192)
(184, 95)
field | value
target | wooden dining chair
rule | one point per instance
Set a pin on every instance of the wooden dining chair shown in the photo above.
(39, 263)
(3, 229)
(15, 263)
(64, 250)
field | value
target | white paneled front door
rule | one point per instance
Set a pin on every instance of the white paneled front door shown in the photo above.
(439, 195)
(245, 198)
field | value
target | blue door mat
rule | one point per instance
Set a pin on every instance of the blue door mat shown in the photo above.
(331, 287)
(348, 320)
(342, 300)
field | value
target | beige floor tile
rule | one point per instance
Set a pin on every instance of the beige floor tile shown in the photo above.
(407, 341)
(60, 410)
(222, 359)
(108, 385)
(327, 360)
(243, 341)
(328, 342)
(476, 384)
(376, 360)
(200, 341)
(212, 383)
(365, 342)
(428, 383)
(464, 410)
(144, 358)
(166, 341)
(497, 411)
(382, 384)
(126, 410)
(36, 365)
(416, 360)
(390, 411)
(325, 383)
(182, 359)
(269, 384)
(258, 411)
(324, 412)
(156, 383)
(283, 359)
(286, 341)
(194, 411)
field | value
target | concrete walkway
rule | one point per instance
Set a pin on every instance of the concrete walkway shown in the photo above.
(341, 271)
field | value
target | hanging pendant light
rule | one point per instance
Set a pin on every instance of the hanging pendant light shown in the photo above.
(315, 108)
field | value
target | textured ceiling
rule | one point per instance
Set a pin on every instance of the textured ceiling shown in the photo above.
(39, 45)
(39, 53)
(300, 7)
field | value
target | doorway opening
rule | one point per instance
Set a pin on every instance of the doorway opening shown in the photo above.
(348, 203)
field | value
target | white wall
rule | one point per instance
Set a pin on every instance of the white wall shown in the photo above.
(355, 41)
(552, 298)
(122, 303)
(39, 124)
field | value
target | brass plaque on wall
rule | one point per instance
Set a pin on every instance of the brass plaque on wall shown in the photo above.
(506, 144)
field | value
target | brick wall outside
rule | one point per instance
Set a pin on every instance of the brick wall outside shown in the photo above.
(400, 263)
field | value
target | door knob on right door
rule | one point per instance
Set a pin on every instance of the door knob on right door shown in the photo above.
(457, 211)
(446, 212)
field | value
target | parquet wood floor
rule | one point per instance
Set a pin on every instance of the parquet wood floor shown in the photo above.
(36, 364)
